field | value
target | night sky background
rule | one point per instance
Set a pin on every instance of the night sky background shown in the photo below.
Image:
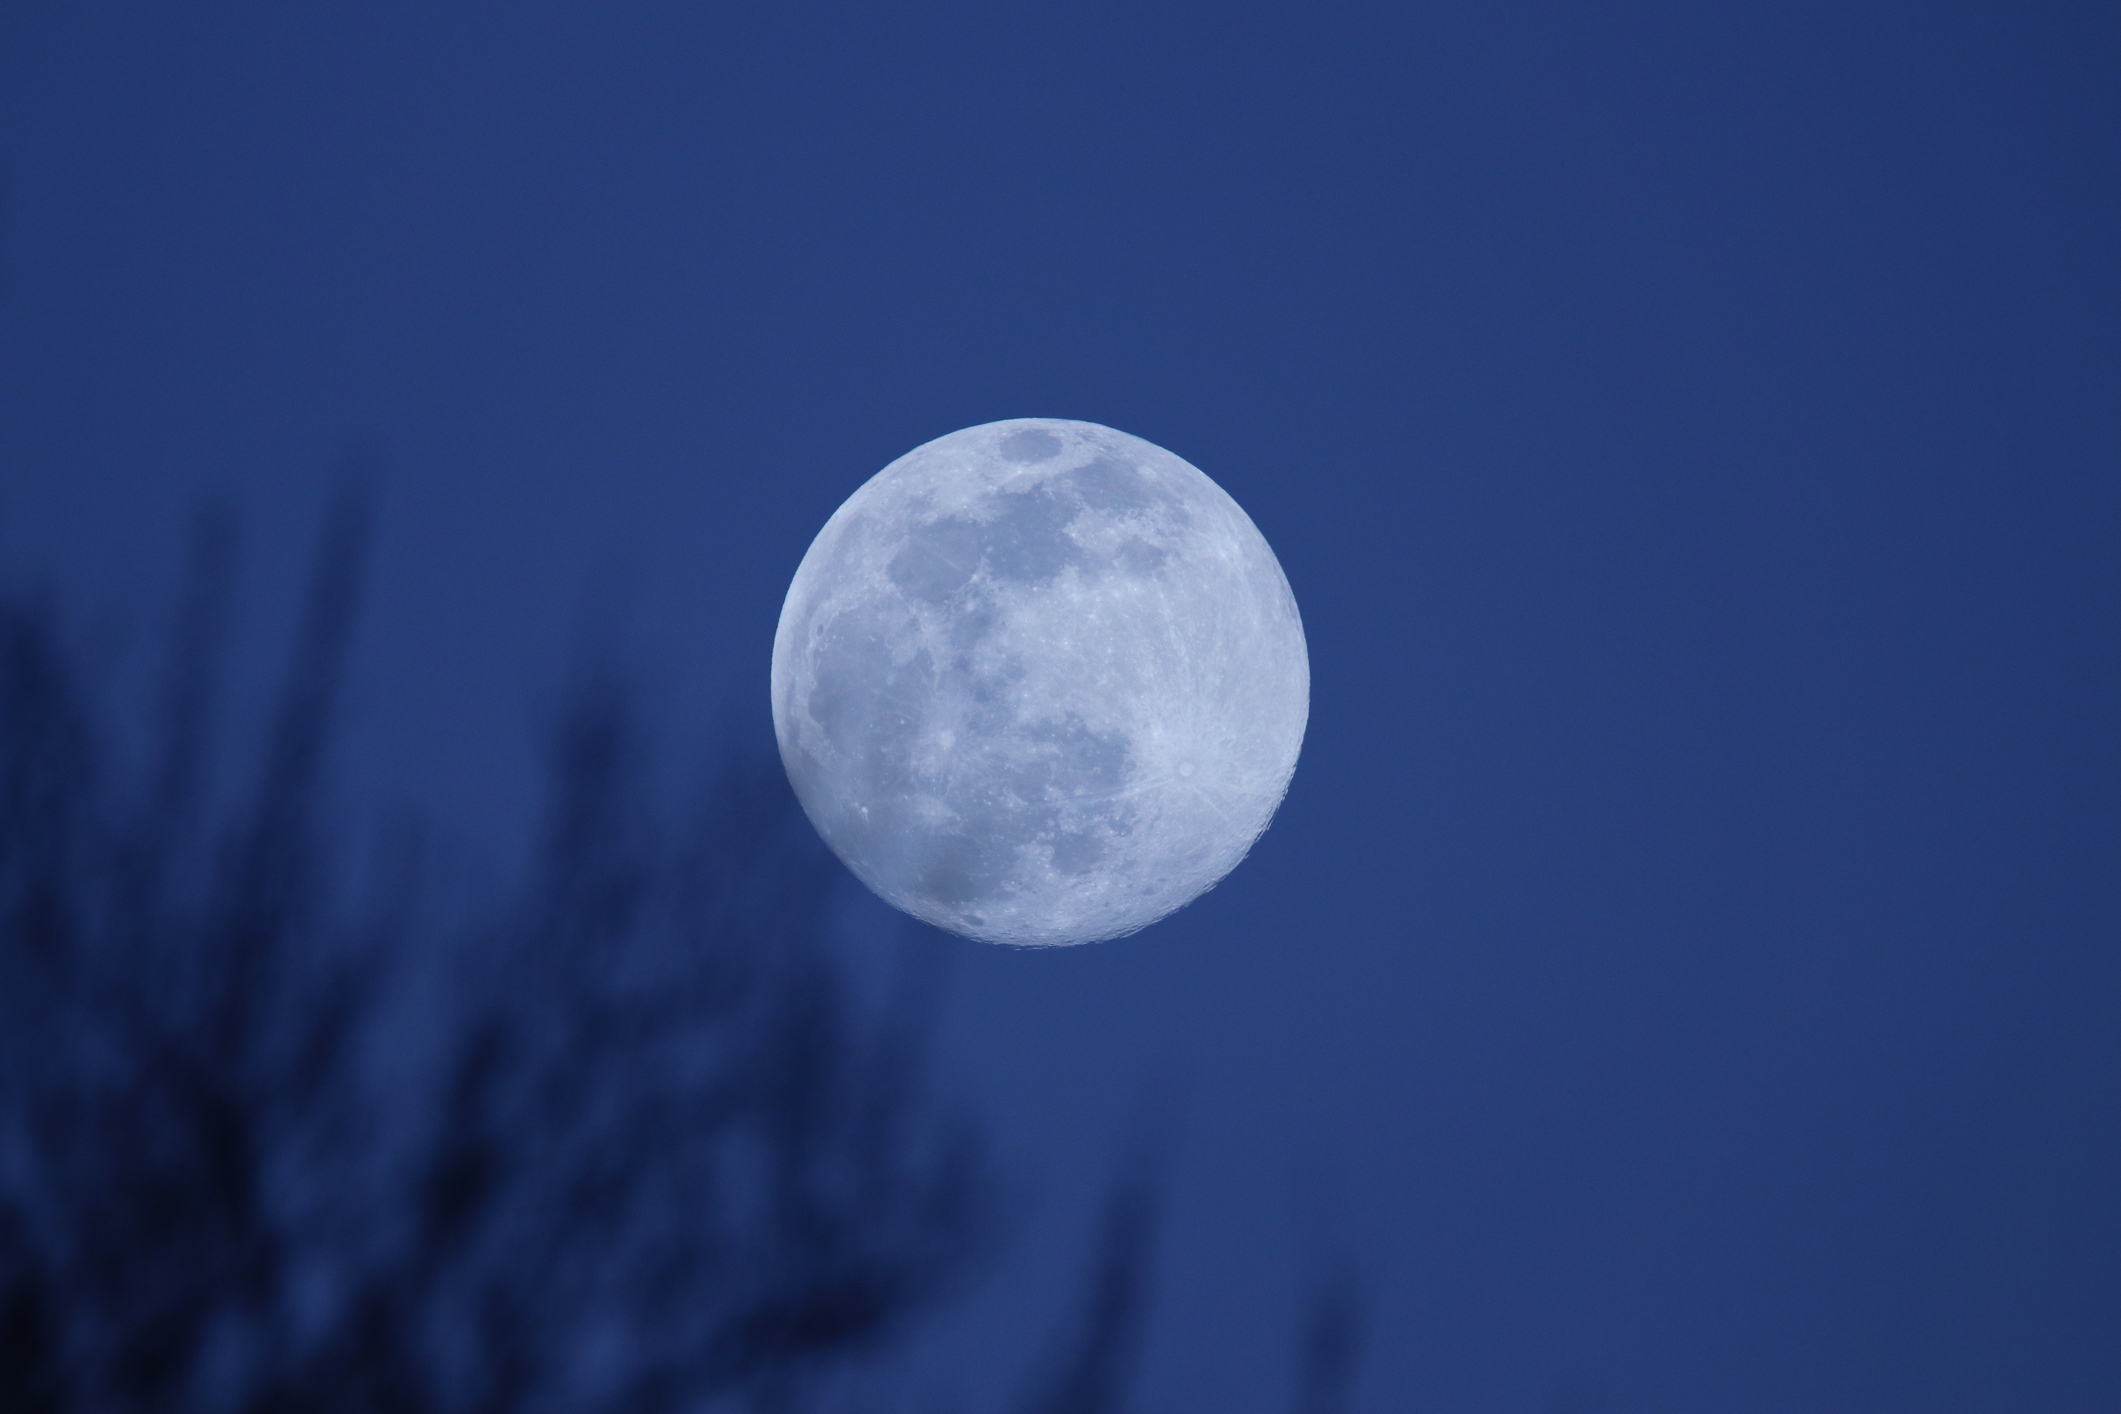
(1686, 970)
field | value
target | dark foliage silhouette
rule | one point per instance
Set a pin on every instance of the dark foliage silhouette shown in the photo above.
(646, 1154)
(1330, 1340)
(1098, 1364)
(631, 1143)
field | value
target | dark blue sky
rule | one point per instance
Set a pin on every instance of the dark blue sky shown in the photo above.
(1690, 945)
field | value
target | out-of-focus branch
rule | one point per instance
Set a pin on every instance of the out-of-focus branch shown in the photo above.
(1098, 1365)
(656, 1158)
(1330, 1341)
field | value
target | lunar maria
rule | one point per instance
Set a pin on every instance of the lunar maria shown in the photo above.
(1040, 682)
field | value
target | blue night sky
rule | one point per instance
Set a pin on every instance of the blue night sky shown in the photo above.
(1687, 965)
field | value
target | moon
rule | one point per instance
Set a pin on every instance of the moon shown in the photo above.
(1040, 682)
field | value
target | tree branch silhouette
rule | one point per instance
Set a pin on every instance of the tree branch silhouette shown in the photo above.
(661, 1158)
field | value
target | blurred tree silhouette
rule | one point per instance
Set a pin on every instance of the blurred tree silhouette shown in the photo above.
(630, 1146)
(655, 1159)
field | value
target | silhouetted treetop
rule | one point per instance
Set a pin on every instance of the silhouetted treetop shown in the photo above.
(647, 1152)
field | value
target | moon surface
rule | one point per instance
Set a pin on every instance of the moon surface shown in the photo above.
(1040, 682)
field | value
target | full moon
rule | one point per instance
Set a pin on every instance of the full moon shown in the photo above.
(1040, 682)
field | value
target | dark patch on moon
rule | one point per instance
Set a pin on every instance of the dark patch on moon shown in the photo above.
(1027, 543)
(962, 867)
(1071, 760)
(1022, 802)
(1077, 854)
(1108, 485)
(1030, 444)
(867, 706)
(938, 560)
(972, 623)
(993, 689)
(1141, 559)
